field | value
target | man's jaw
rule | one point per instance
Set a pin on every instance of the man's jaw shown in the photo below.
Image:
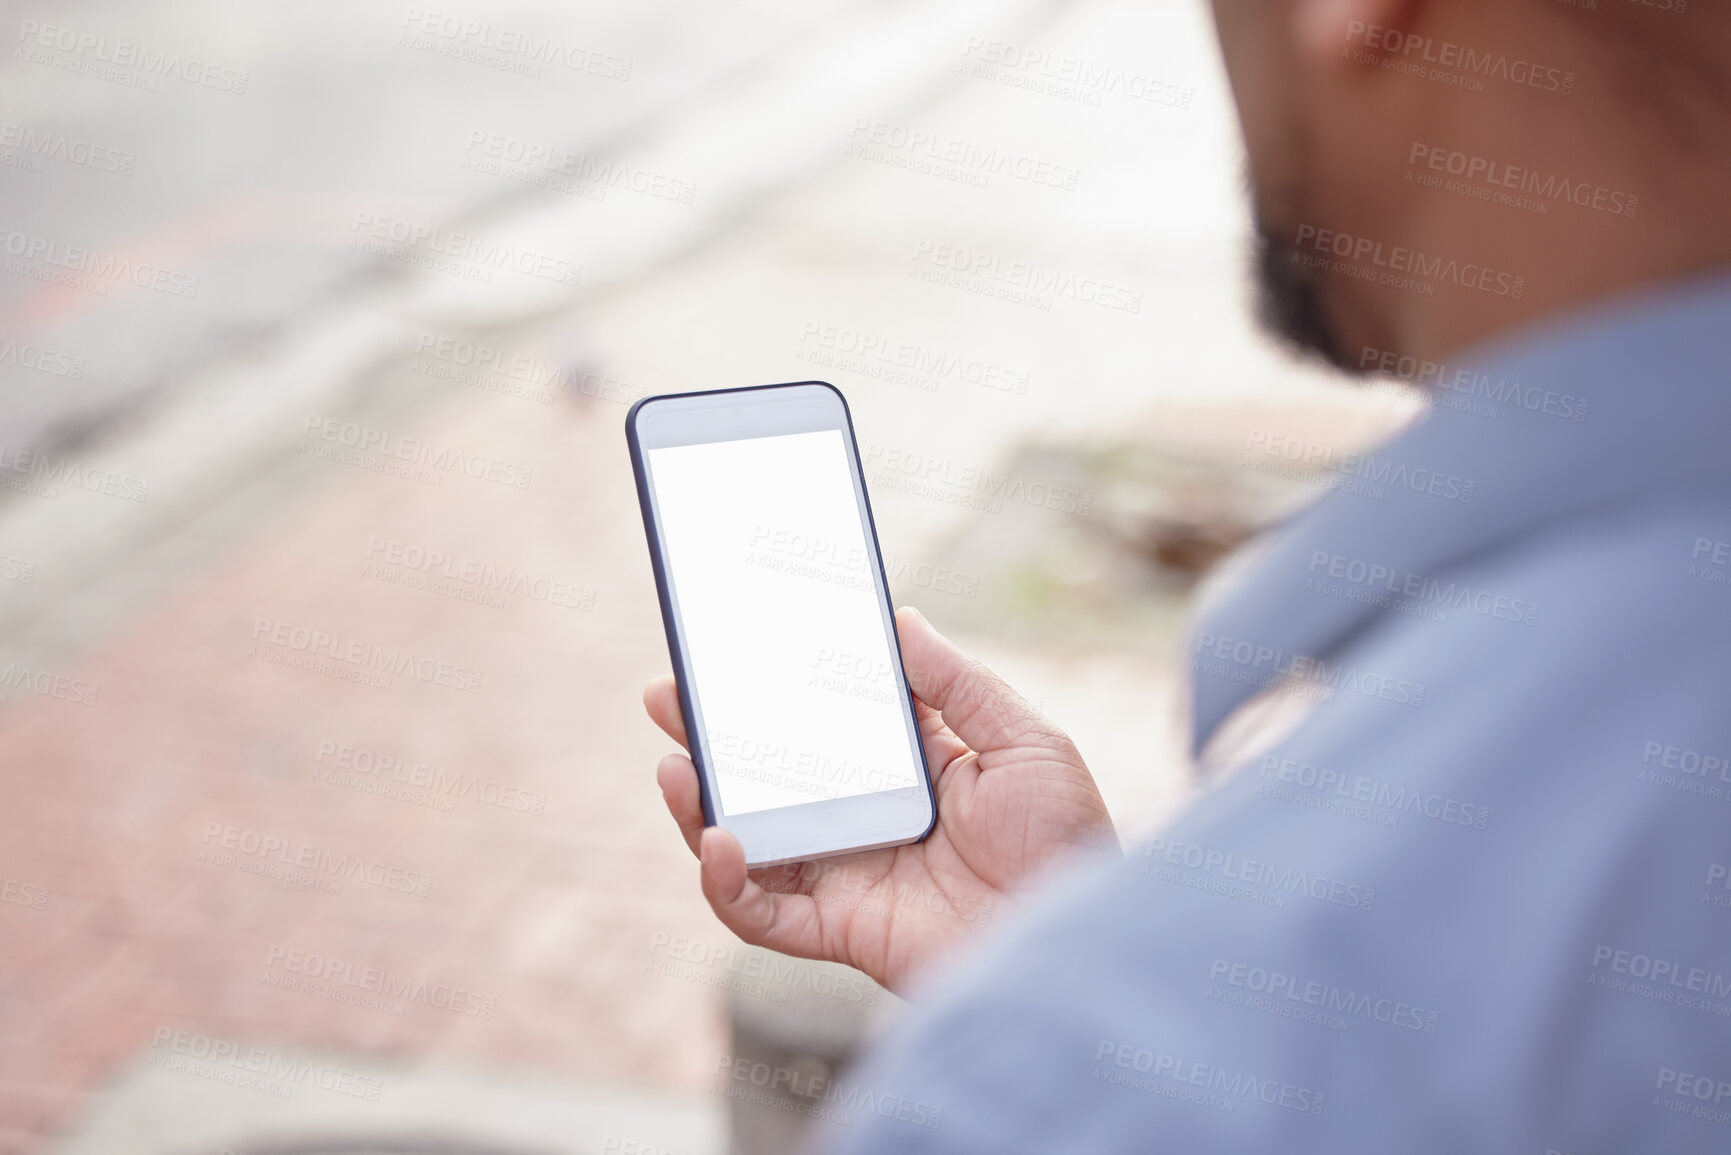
(1290, 305)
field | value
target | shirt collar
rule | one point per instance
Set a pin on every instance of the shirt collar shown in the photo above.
(1598, 405)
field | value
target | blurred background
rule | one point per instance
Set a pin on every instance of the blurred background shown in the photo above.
(329, 815)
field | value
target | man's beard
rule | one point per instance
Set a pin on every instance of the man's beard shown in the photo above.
(1288, 299)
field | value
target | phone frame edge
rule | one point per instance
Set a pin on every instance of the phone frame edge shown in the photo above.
(676, 654)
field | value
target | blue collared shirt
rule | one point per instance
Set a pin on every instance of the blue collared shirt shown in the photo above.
(1477, 896)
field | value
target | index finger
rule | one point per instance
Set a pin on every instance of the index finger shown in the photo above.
(661, 699)
(977, 705)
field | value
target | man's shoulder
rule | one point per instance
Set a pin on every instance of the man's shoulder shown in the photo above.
(1618, 604)
(1504, 824)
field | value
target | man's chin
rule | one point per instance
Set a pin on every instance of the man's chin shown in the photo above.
(1289, 302)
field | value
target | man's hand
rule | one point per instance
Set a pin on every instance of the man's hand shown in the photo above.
(1012, 795)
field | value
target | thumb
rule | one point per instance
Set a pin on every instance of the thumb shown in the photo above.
(976, 704)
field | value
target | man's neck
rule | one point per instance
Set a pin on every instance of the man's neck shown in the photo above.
(1563, 223)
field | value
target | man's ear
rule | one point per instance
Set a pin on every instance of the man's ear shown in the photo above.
(1322, 28)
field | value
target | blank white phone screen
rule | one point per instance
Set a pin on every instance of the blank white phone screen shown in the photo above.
(777, 593)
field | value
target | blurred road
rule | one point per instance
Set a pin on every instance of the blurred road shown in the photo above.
(245, 185)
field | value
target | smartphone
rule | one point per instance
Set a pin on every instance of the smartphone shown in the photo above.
(778, 618)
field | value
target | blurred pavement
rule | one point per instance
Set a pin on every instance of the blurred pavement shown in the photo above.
(812, 245)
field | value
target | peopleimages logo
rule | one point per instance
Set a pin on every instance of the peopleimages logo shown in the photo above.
(469, 40)
(1268, 451)
(1020, 282)
(1702, 1087)
(864, 351)
(45, 144)
(49, 361)
(402, 562)
(1668, 979)
(1718, 877)
(99, 56)
(439, 459)
(1465, 389)
(15, 678)
(1203, 1083)
(1402, 267)
(253, 1068)
(222, 842)
(43, 475)
(1687, 770)
(776, 974)
(440, 249)
(354, 656)
(370, 771)
(824, 775)
(805, 1092)
(1262, 666)
(1069, 77)
(88, 270)
(1498, 178)
(491, 151)
(1407, 48)
(1376, 584)
(23, 894)
(1334, 790)
(970, 158)
(928, 475)
(343, 973)
(1326, 996)
(1269, 883)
